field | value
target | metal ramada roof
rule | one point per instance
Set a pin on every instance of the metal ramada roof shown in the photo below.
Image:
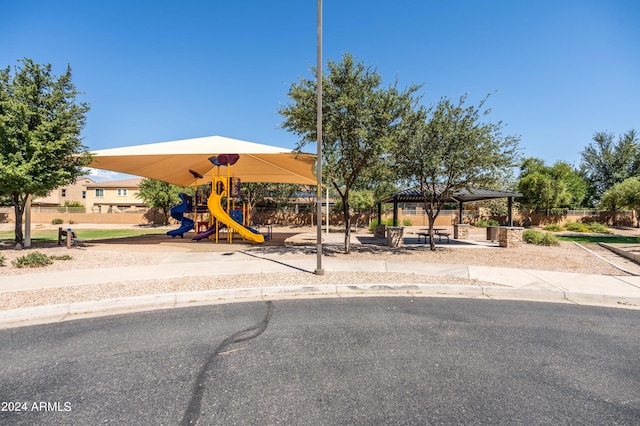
(413, 195)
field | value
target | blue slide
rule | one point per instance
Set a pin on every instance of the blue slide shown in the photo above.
(177, 212)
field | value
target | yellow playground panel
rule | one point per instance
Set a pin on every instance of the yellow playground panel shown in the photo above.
(220, 202)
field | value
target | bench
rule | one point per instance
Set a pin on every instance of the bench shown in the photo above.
(441, 234)
(63, 233)
(423, 234)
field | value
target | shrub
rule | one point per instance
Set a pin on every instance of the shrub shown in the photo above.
(481, 223)
(532, 237)
(63, 257)
(576, 227)
(57, 221)
(2, 260)
(594, 227)
(598, 228)
(548, 239)
(539, 238)
(32, 260)
(388, 222)
(552, 227)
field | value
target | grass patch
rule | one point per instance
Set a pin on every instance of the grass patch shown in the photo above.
(599, 239)
(51, 235)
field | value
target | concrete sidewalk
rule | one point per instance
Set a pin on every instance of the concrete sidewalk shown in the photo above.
(509, 283)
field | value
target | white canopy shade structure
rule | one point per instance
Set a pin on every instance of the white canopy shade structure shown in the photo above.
(175, 162)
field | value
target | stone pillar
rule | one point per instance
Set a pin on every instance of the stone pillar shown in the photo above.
(379, 231)
(461, 231)
(509, 236)
(394, 236)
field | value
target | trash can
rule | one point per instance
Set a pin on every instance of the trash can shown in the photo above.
(492, 233)
(394, 236)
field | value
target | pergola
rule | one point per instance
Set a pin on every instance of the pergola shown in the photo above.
(413, 195)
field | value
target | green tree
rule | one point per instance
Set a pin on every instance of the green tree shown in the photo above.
(40, 125)
(362, 202)
(545, 187)
(254, 193)
(449, 147)
(623, 195)
(159, 195)
(360, 119)
(606, 162)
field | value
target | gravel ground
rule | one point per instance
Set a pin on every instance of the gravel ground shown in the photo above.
(567, 257)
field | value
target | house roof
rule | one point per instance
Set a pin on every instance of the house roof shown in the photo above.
(123, 183)
(413, 195)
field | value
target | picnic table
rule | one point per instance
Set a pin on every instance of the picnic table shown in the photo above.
(440, 232)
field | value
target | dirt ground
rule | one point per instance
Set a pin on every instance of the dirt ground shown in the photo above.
(153, 249)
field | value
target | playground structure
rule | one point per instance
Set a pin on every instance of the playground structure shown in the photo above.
(212, 198)
(177, 212)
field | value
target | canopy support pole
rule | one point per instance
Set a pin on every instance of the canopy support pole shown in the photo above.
(319, 270)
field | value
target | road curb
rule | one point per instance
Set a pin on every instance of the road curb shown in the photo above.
(81, 310)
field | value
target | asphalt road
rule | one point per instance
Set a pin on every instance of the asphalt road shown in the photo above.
(328, 362)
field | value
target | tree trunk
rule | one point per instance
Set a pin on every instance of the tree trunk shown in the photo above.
(347, 225)
(432, 242)
(18, 208)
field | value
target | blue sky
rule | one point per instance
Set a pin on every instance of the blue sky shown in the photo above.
(156, 71)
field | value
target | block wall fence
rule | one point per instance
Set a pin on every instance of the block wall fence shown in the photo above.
(446, 218)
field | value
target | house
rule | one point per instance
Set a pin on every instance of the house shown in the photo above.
(114, 196)
(96, 197)
(74, 193)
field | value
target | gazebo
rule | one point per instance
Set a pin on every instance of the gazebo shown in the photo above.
(413, 195)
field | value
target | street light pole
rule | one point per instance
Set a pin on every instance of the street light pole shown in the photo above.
(319, 270)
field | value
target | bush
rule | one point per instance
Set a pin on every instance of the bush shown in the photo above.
(32, 260)
(598, 228)
(548, 239)
(57, 221)
(482, 223)
(63, 257)
(594, 227)
(388, 222)
(576, 227)
(539, 238)
(552, 227)
(2, 260)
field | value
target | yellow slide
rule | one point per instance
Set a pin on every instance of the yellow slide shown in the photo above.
(218, 212)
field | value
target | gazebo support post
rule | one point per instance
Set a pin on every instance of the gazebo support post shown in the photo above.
(510, 210)
(379, 213)
(460, 212)
(395, 211)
